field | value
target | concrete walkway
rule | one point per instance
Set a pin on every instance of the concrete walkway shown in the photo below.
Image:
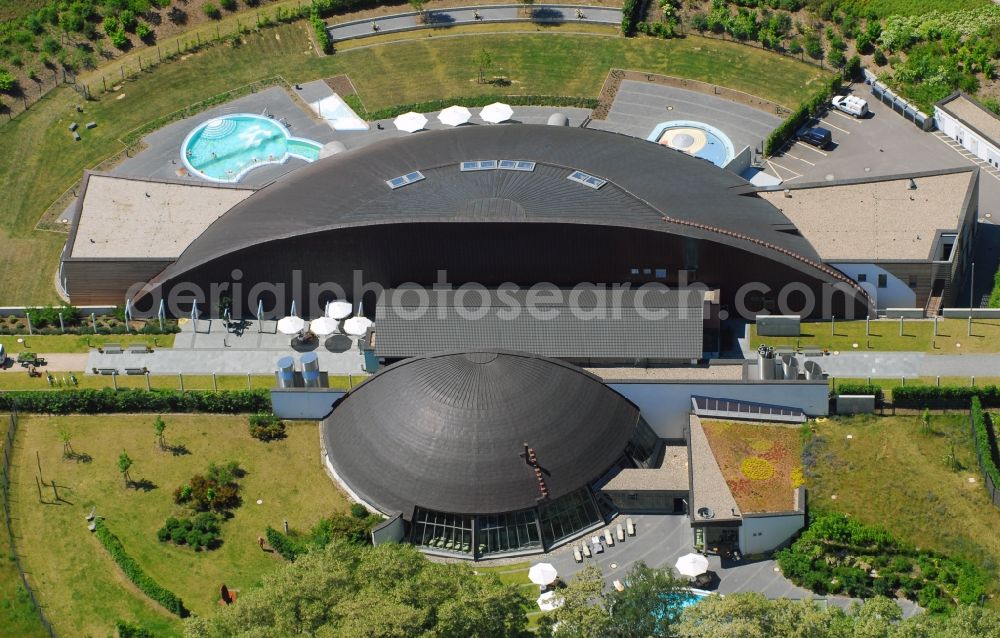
(214, 349)
(909, 364)
(444, 18)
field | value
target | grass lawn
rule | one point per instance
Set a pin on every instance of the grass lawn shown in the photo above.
(17, 616)
(892, 475)
(416, 70)
(82, 589)
(517, 574)
(11, 380)
(80, 343)
(761, 463)
(918, 336)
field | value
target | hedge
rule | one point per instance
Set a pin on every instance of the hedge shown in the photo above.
(134, 572)
(984, 446)
(859, 388)
(285, 546)
(135, 400)
(956, 397)
(132, 630)
(482, 100)
(630, 15)
(322, 35)
(790, 126)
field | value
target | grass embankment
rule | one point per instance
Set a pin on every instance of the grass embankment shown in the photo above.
(21, 381)
(17, 616)
(82, 589)
(918, 336)
(79, 343)
(761, 463)
(412, 71)
(891, 474)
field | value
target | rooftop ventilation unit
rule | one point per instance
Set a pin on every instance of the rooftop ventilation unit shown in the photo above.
(404, 180)
(587, 180)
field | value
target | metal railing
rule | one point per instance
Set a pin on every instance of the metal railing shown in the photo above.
(5, 506)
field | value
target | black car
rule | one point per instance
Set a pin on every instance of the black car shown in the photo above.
(817, 136)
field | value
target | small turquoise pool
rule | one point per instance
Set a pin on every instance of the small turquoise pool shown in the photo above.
(695, 138)
(226, 148)
(675, 604)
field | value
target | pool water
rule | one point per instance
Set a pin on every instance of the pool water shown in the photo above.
(224, 149)
(695, 138)
(674, 604)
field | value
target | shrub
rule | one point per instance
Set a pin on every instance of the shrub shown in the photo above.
(132, 630)
(228, 5)
(7, 81)
(200, 532)
(266, 427)
(985, 445)
(212, 11)
(135, 573)
(358, 510)
(119, 38)
(954, 397)
(630, 15)
(323, 39)
(144, 31)
(79, 401)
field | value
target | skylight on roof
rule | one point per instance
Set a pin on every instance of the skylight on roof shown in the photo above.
(490, 165)
(587, 179)
(403, 180)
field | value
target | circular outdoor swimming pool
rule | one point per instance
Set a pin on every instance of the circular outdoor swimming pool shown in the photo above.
(224, 149)
(695, 138)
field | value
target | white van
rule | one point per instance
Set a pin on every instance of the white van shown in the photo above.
(851, 104)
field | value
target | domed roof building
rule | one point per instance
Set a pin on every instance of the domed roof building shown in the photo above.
(485, 453)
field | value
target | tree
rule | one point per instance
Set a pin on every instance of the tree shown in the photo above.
(925, 422)
(159, 425)
(579, 616)
(650, 605)
(376, 592)
(66, 437)
(418, 6)
(485, 61)
(124, 465)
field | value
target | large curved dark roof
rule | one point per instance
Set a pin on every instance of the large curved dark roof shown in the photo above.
(446, 431)
(649, 186)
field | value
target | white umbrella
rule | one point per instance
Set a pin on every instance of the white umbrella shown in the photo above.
(454, 115)
(410, 122)
(338, 310)
(691, 565)
(548, 601)
(291, 325)
(542, 573)
(496, 113)
(323, 326)
(357, 326)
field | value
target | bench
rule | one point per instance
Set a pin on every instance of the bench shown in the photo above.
(76, 136)
(135, 371)
(586, 550)
(620, 533)
(629, 526)
(576, 554)
(138, 348)
(111, 348)
(608, 539)
(91, 124)
(107, 371)
(73, 126)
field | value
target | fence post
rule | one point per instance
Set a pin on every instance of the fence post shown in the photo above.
(147, 381)
(249, 382)
(180, 379)
(215, 383)
(114, 380)
(28, 317)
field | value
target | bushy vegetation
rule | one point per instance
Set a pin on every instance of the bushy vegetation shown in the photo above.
(266, 427)
(994, 301)
(45, 321)
(216, 490)
(135, 573)
(323, 39)
(944, 397)
(800, 116)
(132, 400)
(198, 532)
(986, 445)
(631, 10)
(132, 630)
(836, 554)
(354, 529)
